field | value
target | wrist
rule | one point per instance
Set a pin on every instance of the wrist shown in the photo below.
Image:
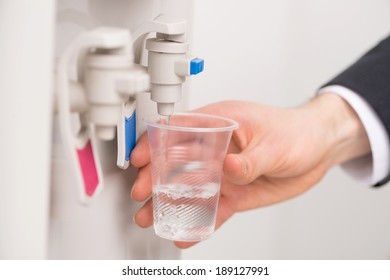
(344, 135)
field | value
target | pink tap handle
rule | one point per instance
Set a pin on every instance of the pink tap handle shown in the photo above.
(87, 164)
(88, 169)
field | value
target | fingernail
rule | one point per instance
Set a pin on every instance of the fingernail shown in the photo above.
(134, 219)
(132, 188)
(242, 161)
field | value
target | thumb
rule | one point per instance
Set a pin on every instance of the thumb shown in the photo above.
(244, 168)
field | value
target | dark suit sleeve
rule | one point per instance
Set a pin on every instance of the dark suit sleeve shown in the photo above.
(370, 78)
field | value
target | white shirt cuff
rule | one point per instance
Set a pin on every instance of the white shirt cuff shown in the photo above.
(372, 168)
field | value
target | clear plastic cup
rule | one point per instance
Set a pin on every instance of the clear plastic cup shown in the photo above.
(187, 157)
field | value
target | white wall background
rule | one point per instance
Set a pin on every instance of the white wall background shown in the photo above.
(279, 52)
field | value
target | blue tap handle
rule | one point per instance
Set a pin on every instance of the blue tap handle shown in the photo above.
(130, 134)
(126, 134)
(196, 66)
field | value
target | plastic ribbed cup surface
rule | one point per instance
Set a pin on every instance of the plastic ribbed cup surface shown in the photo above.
(187, 157)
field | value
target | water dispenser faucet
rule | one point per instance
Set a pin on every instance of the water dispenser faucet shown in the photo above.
(108, 80)
(168, 67)
(168, 63)
(111, 79)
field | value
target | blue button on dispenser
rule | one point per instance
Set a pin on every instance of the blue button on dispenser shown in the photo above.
(130, 134)
(196, 66)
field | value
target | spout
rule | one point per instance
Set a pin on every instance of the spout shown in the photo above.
(165, 109)
(105, 133)
(166, 96)
(105, 119)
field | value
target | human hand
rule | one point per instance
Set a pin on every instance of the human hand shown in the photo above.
(276, 154)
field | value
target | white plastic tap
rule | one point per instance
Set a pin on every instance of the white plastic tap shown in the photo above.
(109, 80)
(168, 66)
(168, 62)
